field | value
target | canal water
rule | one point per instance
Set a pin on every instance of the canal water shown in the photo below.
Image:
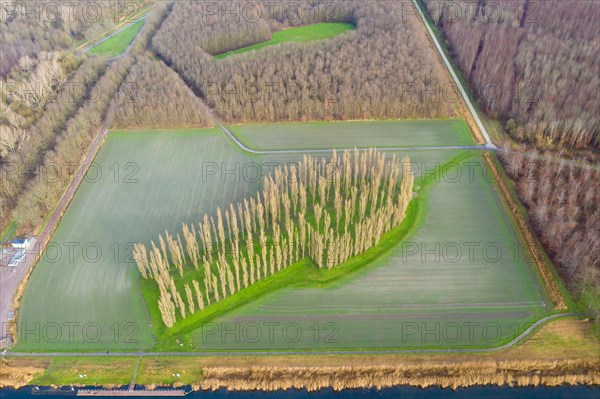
(483, 392)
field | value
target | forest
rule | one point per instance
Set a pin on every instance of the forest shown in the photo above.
(327, 210)
(30, 27)
(25, 141)
(562, 199)
(36, 174)
(533, 64)
(372, 71)
(154, 96)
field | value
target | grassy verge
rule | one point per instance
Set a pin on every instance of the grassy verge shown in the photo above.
(118, 43)
(561, 351)
(105, 371)
(320, 31)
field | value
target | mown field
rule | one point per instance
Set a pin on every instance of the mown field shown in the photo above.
(166, 178)
(316, 135)
(150, 181)
(118, 43)
(320, 31)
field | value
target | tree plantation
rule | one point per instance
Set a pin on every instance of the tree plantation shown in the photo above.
(153, 95)
(562, 199)
(382, 69)
(533, 64)
(328, 211)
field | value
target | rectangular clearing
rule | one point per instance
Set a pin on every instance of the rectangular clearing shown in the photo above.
(119, 42)
(308, 33)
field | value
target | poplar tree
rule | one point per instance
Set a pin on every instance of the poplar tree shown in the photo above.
(369, 197)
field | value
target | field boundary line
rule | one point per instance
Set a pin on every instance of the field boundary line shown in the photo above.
(237, 141)
(224, 353)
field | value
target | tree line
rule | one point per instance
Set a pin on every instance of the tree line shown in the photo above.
(385, 68)
(326, 210)
(533, 64)
(21, 158)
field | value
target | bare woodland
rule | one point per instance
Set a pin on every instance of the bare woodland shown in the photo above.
(533, 64)
(30, 27)
(328, 211)
(385, 68)
(562, 199)
(24, 145)
(36, 174)
(154, 96)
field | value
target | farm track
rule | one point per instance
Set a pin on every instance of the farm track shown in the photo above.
(489, 144)
(508, 345)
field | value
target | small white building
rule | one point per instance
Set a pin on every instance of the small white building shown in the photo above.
(20, 243)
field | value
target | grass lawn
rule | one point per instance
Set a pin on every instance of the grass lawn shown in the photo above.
(146, 182)
(118, 43)
(170, 370)
(87, 371)
(317, 135)
(323, 30)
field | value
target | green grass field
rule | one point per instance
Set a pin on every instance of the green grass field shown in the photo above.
(87, 371)
(118, 43)
(320, 31)
(316, 135)
(162, 181)
(166, 178)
